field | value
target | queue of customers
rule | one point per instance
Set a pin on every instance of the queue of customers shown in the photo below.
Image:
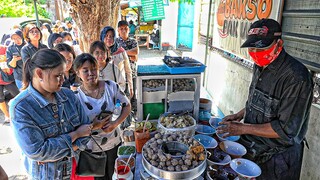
(62, 93)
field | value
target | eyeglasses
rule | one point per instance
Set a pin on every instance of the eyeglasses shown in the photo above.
(99, 53)
(16, 39)
(34, 32)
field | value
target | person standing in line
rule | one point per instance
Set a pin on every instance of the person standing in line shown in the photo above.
(13, 55)
(54, 39)
(46, 32)
(118, 56)
(277, 111)
(107, 69)
(70, 78)
(47, 120)
(99, 101)
(67, 38)
(33, 36)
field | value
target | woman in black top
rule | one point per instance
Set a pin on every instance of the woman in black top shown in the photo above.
(33, 37)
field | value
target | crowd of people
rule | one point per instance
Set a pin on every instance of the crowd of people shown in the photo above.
(60, 93)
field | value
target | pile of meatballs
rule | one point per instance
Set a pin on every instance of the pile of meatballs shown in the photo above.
(156, 157)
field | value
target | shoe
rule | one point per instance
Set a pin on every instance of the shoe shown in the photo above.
(6, 120)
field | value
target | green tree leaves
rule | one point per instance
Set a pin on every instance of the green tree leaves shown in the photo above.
(21, 8)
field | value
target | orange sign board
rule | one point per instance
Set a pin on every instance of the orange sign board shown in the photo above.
(234, 17)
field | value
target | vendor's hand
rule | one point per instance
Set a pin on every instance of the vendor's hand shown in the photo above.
(232, 117)
(110, 126)
(98, 124)
(84, 130)
(16, 58)
(230, 128)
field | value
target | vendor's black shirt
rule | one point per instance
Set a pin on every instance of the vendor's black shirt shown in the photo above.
(280, 94)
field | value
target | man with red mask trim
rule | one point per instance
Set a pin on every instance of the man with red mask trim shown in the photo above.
(275, 118)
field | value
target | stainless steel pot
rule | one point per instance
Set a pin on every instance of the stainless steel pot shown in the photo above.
(178, 175)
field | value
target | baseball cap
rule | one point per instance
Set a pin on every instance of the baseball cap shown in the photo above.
(123, 23)
(262, 33)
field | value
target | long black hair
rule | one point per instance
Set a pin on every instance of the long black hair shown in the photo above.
(43, 59)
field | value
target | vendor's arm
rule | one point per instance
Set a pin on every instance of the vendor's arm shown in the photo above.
(293, 113)
(235, 128)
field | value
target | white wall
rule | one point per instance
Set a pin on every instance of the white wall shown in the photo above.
(169, 24)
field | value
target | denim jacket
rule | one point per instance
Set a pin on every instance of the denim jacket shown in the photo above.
(43, 135)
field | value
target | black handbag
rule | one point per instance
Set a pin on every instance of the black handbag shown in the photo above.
(91, 164)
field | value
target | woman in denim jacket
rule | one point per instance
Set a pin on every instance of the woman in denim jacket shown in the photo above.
(48, 120)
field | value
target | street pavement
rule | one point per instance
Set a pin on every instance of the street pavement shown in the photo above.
(10, 153)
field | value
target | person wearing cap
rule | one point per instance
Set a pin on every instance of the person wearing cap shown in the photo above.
(54, 39)
(128, 43)
(33, 37)
(275, 118)
(13, 55)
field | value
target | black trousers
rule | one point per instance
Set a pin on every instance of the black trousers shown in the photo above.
(286, 165)
(111, 158)
(12, 88)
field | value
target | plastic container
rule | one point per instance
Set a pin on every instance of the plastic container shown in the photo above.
(120, 161)
(123, 151)
(141, 138)
(122, 172)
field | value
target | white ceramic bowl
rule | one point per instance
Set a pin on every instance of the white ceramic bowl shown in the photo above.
(245, 168)
(204, 129)
(207, 141)
(234, 149)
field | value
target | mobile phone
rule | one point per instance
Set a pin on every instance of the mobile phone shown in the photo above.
(16, 54)
(104, 114)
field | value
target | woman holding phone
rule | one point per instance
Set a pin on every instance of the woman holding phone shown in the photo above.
(99, 99)
(13, 55)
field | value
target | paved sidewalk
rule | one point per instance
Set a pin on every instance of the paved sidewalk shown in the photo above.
(10, 154)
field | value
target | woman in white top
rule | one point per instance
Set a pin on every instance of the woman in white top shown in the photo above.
(108, 70)
(98, 97)
(118, 55)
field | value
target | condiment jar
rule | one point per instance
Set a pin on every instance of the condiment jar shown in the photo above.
(119, 173)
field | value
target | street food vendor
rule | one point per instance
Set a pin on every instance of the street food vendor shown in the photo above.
(275, 118)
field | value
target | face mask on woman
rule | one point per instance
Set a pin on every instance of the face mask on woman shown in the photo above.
(70, 43)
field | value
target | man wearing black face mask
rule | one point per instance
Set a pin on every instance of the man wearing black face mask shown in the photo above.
(275, 117)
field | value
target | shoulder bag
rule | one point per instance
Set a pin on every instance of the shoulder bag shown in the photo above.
(91, 164)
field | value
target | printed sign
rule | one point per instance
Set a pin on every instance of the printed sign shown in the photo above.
(152, 10)
(233, 19)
